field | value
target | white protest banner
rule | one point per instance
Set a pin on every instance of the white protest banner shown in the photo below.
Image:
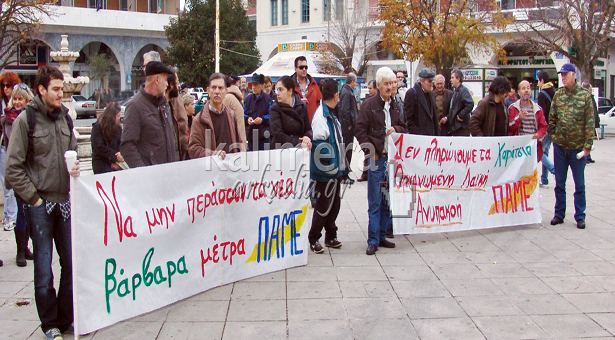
(442, 184)
(147, 237)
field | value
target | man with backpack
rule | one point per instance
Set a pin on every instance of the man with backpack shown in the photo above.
(545, 96)
(37, 171)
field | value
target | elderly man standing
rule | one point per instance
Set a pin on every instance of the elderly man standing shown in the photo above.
(461, 107)
(348, 115)
(214, 130)
(243, 83)
(148, 136)
(420, 106)
(379, 117)
(307, 88)
(443, 103)
(571, 124)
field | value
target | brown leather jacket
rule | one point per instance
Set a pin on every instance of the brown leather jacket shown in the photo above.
(203, 137)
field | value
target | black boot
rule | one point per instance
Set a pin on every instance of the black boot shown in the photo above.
(21, 240)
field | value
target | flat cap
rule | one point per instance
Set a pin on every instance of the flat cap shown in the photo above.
(258, 78)
(427, 73)
(568, 67)
(156, 67)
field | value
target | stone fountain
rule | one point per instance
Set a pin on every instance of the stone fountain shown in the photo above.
(72, 85)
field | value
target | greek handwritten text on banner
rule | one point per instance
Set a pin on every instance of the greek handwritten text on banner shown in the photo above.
(442, 184)
(147, 237)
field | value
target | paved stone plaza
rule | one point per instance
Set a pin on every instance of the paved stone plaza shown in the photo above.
(525, 282)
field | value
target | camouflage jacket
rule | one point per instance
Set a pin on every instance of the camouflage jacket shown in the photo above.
(571, 120)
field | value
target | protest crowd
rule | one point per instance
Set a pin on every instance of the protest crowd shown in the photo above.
(161, 126)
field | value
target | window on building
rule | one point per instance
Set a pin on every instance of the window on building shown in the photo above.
(123, 5)
(94, 4)
(284, 12)
(506, 4)
(339, 9)
(274, 12)
(154, 6)
(326, 10)
(305, 10)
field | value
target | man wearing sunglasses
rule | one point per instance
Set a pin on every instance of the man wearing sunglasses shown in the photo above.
(306, 86)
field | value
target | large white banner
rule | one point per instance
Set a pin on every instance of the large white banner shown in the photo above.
(442, 184)
(147, 237)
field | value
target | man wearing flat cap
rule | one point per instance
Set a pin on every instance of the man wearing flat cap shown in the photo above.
(420, 106)
(571, 125)
(148, 136)
(256, 113)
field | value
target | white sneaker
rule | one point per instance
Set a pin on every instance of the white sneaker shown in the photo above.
(9, 226)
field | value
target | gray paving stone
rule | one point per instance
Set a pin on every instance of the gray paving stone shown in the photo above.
(352, 260)
(544, 269)
(374, 308)
(257, 310)
(504, 269)
(321, 329)
(494, 305)
(130, 330)
(367, 289)
(312, 274)
(522, 286)
(409, 273)
(425, 288)
(607, 282)
(574, 325)
(317, 309)
(446, 329)
(543, 304)
(488, 257)
(445, 257)
(198, 311)
(222, 293)
(192, 330)
(401, 329)
(259, 291)
(592, 302)
(573, 284)
(21, 329)
(471, 287)
(19, 309)
(457, 270)
(594, 267)
(509, 327)
(432, 308)
(403, 259)
(255, 330)
(360, 273)
(525, 256)
(311, 290)
(606, 320)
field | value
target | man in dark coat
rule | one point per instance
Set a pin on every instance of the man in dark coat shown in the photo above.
(461, 106)
(348, 115)
(420, 106)
(256, 113)
(443, 98)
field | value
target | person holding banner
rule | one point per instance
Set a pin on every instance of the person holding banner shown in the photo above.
(327, 167)
(378, 118)
(526, 117)
(214, 129)
(571, 124)
(38, 172)
(490, 117)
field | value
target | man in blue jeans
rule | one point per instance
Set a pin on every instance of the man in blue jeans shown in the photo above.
(37, 171)
(571, 124)
(379, 117)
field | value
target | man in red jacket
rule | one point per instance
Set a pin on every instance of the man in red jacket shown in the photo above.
(525, 117)
(306, 86)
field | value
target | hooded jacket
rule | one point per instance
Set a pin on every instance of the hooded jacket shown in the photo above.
(203, 137)
(313, 94)
(43, 174)
(148, 136)
(288, 123)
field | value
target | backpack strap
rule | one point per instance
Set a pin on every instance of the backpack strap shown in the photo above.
(31, 117)
(547, 95)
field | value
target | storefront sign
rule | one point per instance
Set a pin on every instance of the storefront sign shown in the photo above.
(526, 61)
(290, 47)
(472, 74)
(27, 54)
(491, 74)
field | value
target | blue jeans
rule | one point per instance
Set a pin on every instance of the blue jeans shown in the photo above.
(53, 310)
(379, 212)
(563, 159)
(547, 166)
(10, 205)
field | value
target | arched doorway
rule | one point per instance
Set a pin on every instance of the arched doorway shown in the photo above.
(82, 68)
(137, 76)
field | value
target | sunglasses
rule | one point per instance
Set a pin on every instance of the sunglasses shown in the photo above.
(7, 86)
(303, 67)
(20, 85)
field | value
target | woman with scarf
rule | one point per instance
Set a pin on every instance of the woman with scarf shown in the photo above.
(290, 123)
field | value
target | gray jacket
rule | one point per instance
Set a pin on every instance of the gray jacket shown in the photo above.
(462, 105)
(148, 136)
(43, 174)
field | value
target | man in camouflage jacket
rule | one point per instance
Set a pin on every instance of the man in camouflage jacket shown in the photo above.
(571, 125)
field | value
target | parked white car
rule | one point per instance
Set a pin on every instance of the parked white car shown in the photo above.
(608, 119)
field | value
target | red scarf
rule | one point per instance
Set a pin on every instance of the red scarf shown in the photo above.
(11, 114)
